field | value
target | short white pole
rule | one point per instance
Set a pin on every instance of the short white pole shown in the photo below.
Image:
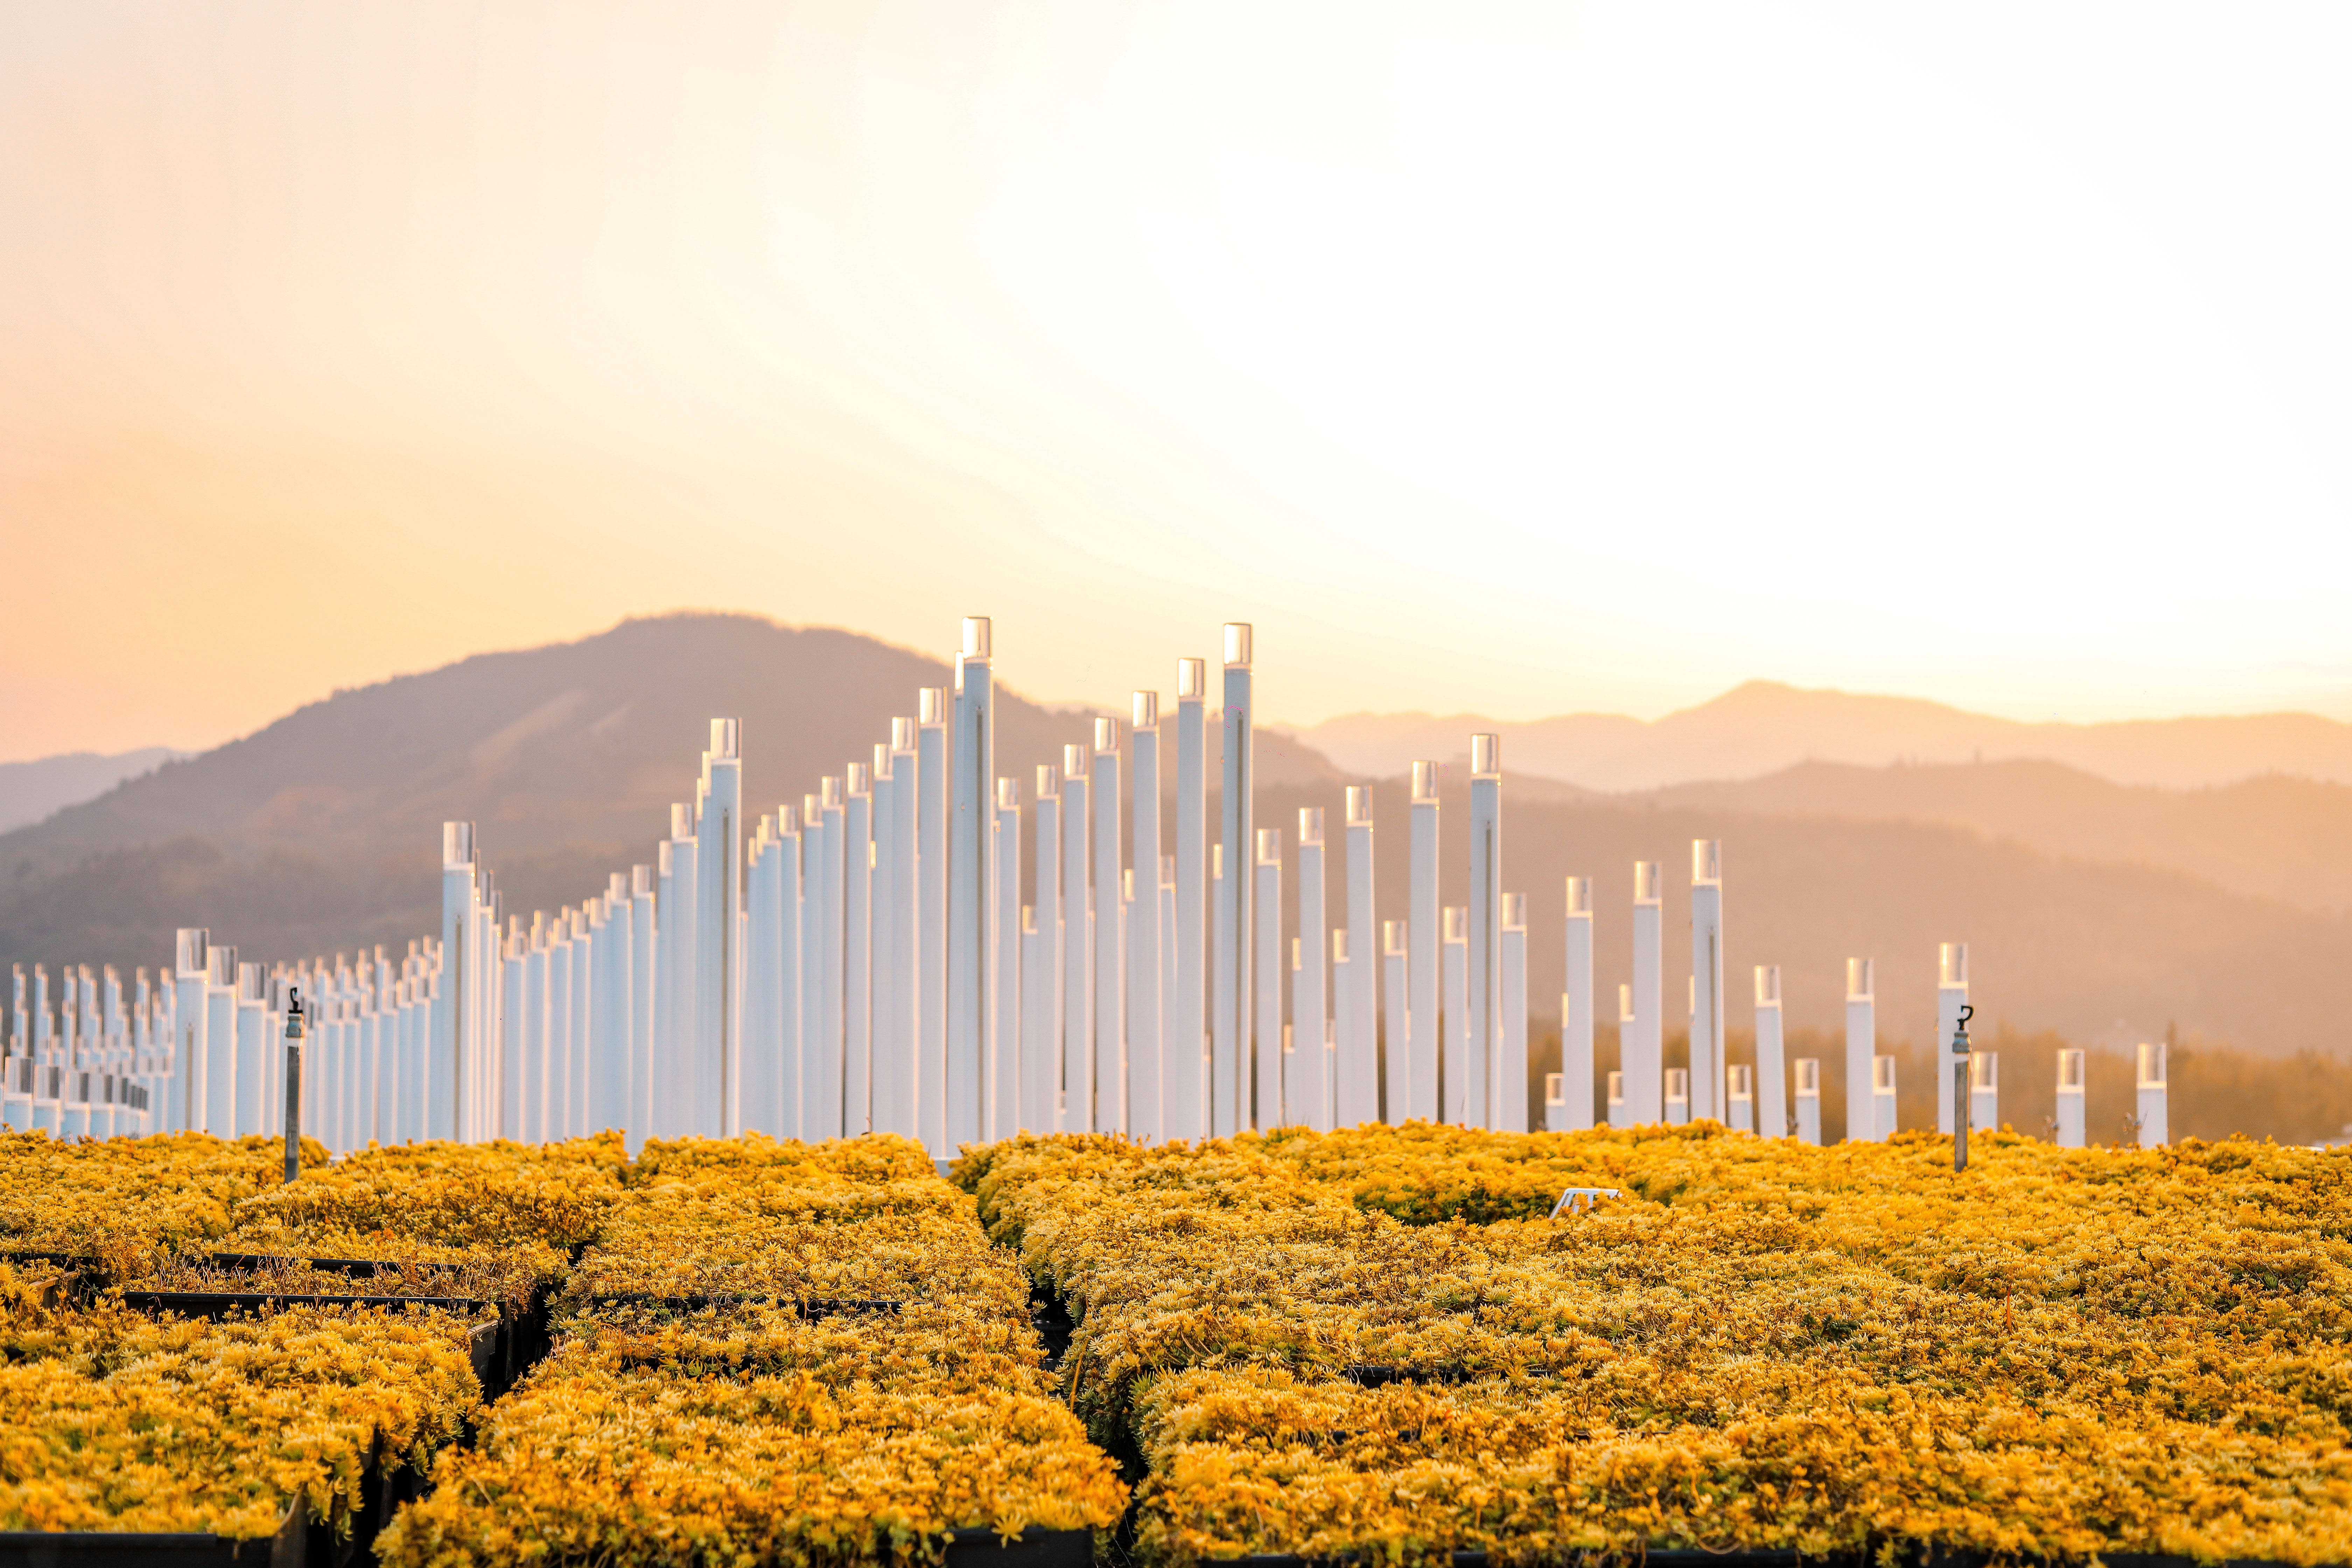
(1771, 1082)
(1576, 1016)
(2072, 1124)
(1861, 1048)
(2153, 1122)
(1809, 1100)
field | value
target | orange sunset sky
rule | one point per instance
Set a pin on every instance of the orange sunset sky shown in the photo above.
(1519, 359)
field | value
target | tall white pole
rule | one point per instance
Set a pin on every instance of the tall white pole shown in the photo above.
(1396, 1024)
(1861, 1048)
(857, 952)
(885, 1082)
(1109, 994)
(583, 951)
(1145, 1008)
(558, 1121)
(2151, 1091)
(1643, 1054)
(790, 902)
(1809, 1100)
(1004, 1064)
(254, 1055)
(1307, 1073)
(1483, 1026)
(450, 1011)
(1263, 1102)
(184, 1098)
(674, 1104)
(608, 1064)
(1231, 1077)
(1454, 979)
(220, 1032)
(823, 1114)
(1576, 1015)
(1707, 1054)
(2071, 1124)
(1772, 1084)
(968, 953)
(643, 1009)
(1358, 1076)
(1511, 1113)
(1077, 947)
(1186, 1117)
(1040, 988)
(756, 1087)
(1951, 995)
(1423, 931)
(906, 923)
(931, 914)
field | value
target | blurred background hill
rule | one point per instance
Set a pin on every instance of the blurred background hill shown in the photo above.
(2189, 877)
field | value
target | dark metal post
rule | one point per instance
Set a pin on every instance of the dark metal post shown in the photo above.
(1961, 1092)
(293, 1082)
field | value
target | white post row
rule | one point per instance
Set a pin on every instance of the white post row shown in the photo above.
(864, 962)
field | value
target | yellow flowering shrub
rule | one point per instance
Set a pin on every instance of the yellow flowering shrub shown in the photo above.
(722, 1389)
(1762, 1344)
(122, 1203)
(115, 1421)
(450, 1195)
(586, 1463)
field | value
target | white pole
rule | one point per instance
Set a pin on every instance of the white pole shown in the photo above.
(887, 1084)
(906, 925)
(1809, 1100)
(1861, 1047)
(1576, 1016)
(1343, 1027)
(1266, 1109)
(583, 999)
(1481, 1025)
(1740, 1097)
(1644, 1054)
(644, 1007)
(1186, 1045)
(931, 914)
(1042, 1058)
(857, 953)
(1677, 1097)
(1077, 957)
(1307, 1073)
(1144, 1007)
(253, 1052)
(785, 1107)
(1951, 995)
(969, 950)
(558, 1122)
(1423, 927)
(1454, 978)
(1396, 1022)
(1882, 1096)
(1231, 1075)
(755, 1107)
(1511, 1108)
(220, 1032)
(1358, 1081)
(1771, 1089)
(1109, 996)
(450, 1010)
(2072, 1124)
(1707, 1054)
(674, 1063)
(1984, 1091)
(1004, 1067)
(833, 977)
(2154, 1122)
(1167, 897)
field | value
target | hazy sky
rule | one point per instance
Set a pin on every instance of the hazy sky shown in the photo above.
(1516, 359)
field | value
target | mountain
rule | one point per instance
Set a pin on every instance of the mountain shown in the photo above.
(1763, 727)
(32, 791)
(2285, 839)
(323, 829)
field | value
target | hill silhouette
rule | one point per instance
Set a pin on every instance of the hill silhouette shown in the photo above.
(1763, 727)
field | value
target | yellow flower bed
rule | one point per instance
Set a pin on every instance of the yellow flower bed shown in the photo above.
(753, 1431)
(589, 1464)
(125, 1202)
(113, 1421)
(1761, 1344)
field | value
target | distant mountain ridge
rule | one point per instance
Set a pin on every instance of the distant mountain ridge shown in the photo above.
(31, 791)
(1763, 727)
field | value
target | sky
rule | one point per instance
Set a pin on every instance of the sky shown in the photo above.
(1514, 359)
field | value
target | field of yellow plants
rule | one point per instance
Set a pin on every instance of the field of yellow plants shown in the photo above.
(1375, 1344)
